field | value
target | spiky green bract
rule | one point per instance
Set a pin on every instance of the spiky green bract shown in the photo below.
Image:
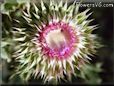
(32, 62)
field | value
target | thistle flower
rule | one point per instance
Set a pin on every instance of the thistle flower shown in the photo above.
(53, 40)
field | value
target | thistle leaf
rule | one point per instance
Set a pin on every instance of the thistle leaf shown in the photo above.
(43, 6)
(36, 8)
(20, 39)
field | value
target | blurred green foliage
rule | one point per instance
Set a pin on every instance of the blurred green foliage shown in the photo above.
(90, 73)
(11, 5)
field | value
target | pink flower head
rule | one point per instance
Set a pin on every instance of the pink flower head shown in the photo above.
(58, 40)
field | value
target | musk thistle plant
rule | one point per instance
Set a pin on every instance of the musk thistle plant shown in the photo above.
(53, 40)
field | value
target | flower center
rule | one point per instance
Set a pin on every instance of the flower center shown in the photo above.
(58, 40)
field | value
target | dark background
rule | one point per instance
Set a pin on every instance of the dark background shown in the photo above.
(104, 17)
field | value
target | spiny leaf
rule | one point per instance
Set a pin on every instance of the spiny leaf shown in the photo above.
(65, 6)
(20, 39)
(43, 6)
(27, 19)
(4, 55)
(37, 16)
(60, 4)
(27, 15)
(36, 8)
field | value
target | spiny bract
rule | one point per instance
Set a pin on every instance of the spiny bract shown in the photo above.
(53, 41)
